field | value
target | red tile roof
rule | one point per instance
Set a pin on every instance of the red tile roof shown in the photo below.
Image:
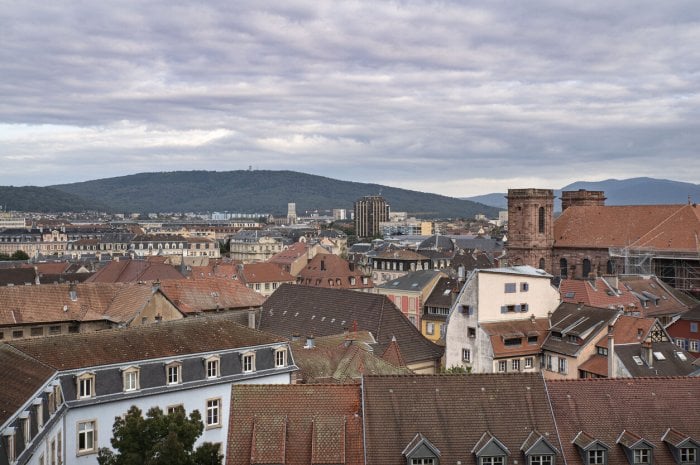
(597, 293)
(292, 253)
(677, 226)
(263, 273)
(325, 269)
(125, 271)
(604, 408)
(209, 294)
(295, 425)
(116, 302)
(500, 331)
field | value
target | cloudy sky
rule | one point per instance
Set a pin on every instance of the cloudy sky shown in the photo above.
(458, 98)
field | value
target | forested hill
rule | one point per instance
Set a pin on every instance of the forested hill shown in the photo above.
(257, 191)
(45, 200)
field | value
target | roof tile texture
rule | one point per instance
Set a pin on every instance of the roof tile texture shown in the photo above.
(315, 416)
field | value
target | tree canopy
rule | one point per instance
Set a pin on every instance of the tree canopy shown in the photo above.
(158, 439)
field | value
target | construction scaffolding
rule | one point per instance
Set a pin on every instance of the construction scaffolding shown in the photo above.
(678, 269)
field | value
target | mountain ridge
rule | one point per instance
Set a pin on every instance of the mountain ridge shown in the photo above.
(632, 191)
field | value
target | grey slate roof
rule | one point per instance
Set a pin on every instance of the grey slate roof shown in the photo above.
(579, 320)
(305, 310)
(671, 365)
(414, 281)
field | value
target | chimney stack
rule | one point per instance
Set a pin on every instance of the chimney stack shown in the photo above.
(295, 337)
(73, 292)
(251, 319)
(648, 353)
(310, 342)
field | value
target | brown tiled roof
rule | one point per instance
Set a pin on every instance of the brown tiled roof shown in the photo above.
(209, 294)
(453, 412)
(668, 301)
(124, 271)
(263, 273)
(304, 310)
(289, 255)
(604, 408)
(17, 276)
(443, 293)
(21, 377)
(623, 226)
(295, 424)
(596, 294)
(500, 331)
(52, 268)
(597, 364)
(325, 267)
(401, 254)
(392, 354)
(628, 330)
(166, 339)
(117, 302)
(578, 320)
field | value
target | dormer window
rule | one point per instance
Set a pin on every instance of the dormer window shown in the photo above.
(248, 362)
(173, 373)
(212, 366)
(420, 451)
(637, 449)
(596, 457)
(538, 450)
(85, 385)
(130, 377)
(641, 456)
(593, 451)
(683, 447)
(280, 357)
(490, 451)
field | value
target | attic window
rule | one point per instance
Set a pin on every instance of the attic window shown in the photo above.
(570, 295)
(659, 356)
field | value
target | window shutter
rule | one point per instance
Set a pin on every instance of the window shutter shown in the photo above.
(517, 308)
(504, 309)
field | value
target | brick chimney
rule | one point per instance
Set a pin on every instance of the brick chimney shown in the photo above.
(611, 352)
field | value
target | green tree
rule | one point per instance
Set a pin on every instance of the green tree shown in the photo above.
(158, 439)
(19, 255)
(455, 370)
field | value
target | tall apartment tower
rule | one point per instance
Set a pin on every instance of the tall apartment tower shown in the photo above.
(530, 227)
(291, 213)
(369, 212)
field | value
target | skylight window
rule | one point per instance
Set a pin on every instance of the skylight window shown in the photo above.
(659, 356)
(637, 359)
(682, 356)
(570, 295)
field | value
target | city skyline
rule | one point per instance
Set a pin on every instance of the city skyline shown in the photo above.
(438, 97)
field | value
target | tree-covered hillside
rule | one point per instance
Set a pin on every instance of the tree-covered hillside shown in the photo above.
(44, 199)
(257, 191)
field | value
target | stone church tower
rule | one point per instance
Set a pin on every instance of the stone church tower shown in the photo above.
(530, 227)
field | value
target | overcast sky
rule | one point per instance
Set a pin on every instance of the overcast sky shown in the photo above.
(457, 98)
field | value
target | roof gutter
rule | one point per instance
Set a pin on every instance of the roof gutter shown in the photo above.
(364, 426)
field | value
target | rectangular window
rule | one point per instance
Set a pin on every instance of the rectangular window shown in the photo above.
(131, 379)
(694, 345)
(426, 461)
(213, 368)
(596, 457)
(524, 287)
(471, 332)
(55, 329)
(515, 364)
(11, 448)
(86, 437)
(280, 358)
(688, 455)
(528, 362)
(174, 373)
(510, 288)
(693, 327)
(38, 331)
(18, 334)
(26, 430)
(171, 409)
(248, 363)
(549, 362)
(502, 366)
(59, 448)
(86, 386)
(40, 416)
(213, 413)
(602, 351)
(562, 365)
(641, 456)
(540, 460)
(497, 460)
(532, 339)
(513, 341)
(430, 328)
(466, 355)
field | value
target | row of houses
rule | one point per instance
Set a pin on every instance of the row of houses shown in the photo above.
(62, 394)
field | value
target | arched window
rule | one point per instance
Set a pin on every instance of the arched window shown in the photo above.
(541, 220)
(563, 268)
(610, 268)
(586, 267)
(541, 263)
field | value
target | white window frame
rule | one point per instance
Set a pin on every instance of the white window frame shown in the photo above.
(492, 460)
(466, 355)
(27, 430)
(563, 366)
(131, 379)
(641, 456)
(85, 386)
(688, 455)
(213, 413)
(502, 366)
(545, 459)
(595, 457)
(515, 364)
(11, 447)
(88, 429)
(529, 362)
(280, 357)
(430, 328)
(423, 461)
(173, 373)
(212, 367)
(248, 362)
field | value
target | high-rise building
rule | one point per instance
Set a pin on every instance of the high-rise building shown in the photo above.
(369, 212)
(291, 213)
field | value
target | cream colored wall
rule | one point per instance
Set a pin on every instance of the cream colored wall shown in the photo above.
(423, 368)
(541, 297)
(158, 305)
